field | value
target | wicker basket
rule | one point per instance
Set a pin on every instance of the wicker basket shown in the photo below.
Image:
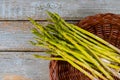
(106, 26)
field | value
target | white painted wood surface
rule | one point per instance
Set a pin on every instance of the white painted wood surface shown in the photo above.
(69, 9)
(16, 36)
(23, 64)
(15, 30)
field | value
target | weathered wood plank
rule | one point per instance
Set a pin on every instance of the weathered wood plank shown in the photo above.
(15, 36)
(69, 9)
(23, 64)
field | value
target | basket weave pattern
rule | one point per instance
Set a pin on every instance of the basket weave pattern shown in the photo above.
(106, 26)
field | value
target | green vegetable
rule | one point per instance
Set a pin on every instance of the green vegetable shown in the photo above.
(78, 47)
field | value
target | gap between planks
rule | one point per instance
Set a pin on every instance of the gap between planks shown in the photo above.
(21, 51)
(35, 20)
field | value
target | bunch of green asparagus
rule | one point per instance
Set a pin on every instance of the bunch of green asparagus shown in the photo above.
(78, 47)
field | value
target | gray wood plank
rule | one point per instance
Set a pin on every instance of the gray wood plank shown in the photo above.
(23, 64)
(15, 36)
(69, 9)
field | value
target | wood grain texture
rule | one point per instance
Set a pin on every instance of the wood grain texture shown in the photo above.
(15, 36)
(69, 9)
(23, 64)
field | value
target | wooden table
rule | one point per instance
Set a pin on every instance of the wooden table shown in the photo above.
(15, 49)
